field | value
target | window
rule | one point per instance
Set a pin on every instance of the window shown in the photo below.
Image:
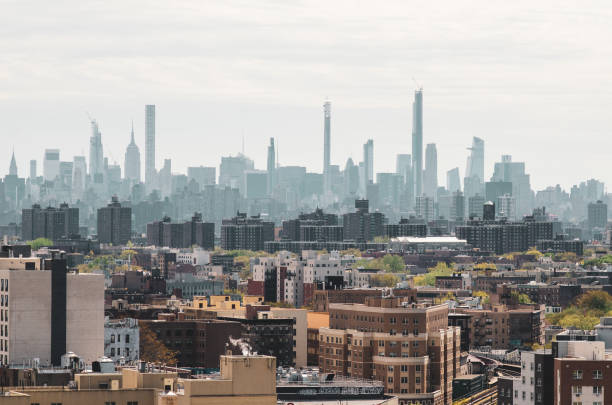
(577, 389)
(597, 390)
(597, 375)
(112, 338)
(118, 338)
(390, 380)
(109, 403)
(127, 352)
(112, 351)
(577, 374)
(132, 403)
(403, 368)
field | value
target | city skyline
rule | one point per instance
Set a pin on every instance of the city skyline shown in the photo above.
(483, 94)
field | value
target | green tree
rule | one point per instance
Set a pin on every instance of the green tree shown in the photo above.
(384, 280)
(40, 242)
(429, 278)
(484, 296)
(393, 263)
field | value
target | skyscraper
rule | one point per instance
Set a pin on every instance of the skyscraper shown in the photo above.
(271, 167)
(96, 155)
(453, 182)
(368, 164)
(474, 171)
(51, 164)
(150, 146)
(114, 223)
(13, 166)
(417, 141)
(132, 160)
(430, 176)
(514, 172)
(326, 136)
(33, 168)
(79, 177)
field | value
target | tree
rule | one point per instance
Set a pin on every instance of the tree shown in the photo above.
(524, 299)
(384, 280)
(595, 300)
(441, 269)
(381, 239)
(393, 263)
(40, 242)
(351, 251)
(152, 349)
(484, 296)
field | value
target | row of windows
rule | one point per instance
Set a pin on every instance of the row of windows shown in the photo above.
(127, 338)
(4, 315)
(4, 300)
(577, 374)
(126, 352)
(4, 330)
(4, 285)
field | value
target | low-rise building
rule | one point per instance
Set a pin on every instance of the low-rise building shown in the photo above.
(122, 340)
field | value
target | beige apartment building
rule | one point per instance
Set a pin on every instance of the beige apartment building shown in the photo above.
(242, 380)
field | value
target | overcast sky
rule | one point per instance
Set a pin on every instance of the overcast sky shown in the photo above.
(532, 78)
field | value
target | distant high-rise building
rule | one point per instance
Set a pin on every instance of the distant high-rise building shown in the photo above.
(255, 184)
(475, 206)
(204, 176)
(597, 215)
(424, 208)
(271, 167)
(473, 183)
(403, 165)
(430, 176)
(453, 182)
(231, 171)
(514, 172)
(51, 223)
(13, 166)
(351, 178)
(242, 232)
(79, 177)
(150, 171)
(326, 142)
(33, 173)
(368, 164)
(114, 223)
(417, 142)
(51, 164)
(457, 207)
(132, 160)
(96, 154)
(507, 206)
(182, 235)
(165, 178)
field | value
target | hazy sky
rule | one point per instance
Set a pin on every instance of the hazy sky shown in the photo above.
(532, 78)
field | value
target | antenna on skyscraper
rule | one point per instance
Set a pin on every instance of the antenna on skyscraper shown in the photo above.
(276, 142)
(243, 142)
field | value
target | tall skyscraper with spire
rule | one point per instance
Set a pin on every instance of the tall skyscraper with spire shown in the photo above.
(132, 160)
(430, 175)
(150, 171)
(13, 166)
(271, 167)
(417, 141)
(326, 143)
(96, 153)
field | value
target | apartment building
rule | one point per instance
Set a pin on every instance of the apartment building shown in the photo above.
(409, 347)
(46, 311)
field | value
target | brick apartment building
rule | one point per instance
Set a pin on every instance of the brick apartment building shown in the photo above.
(198, 343)
(321, 299)
(503, 328)
(407, 346)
